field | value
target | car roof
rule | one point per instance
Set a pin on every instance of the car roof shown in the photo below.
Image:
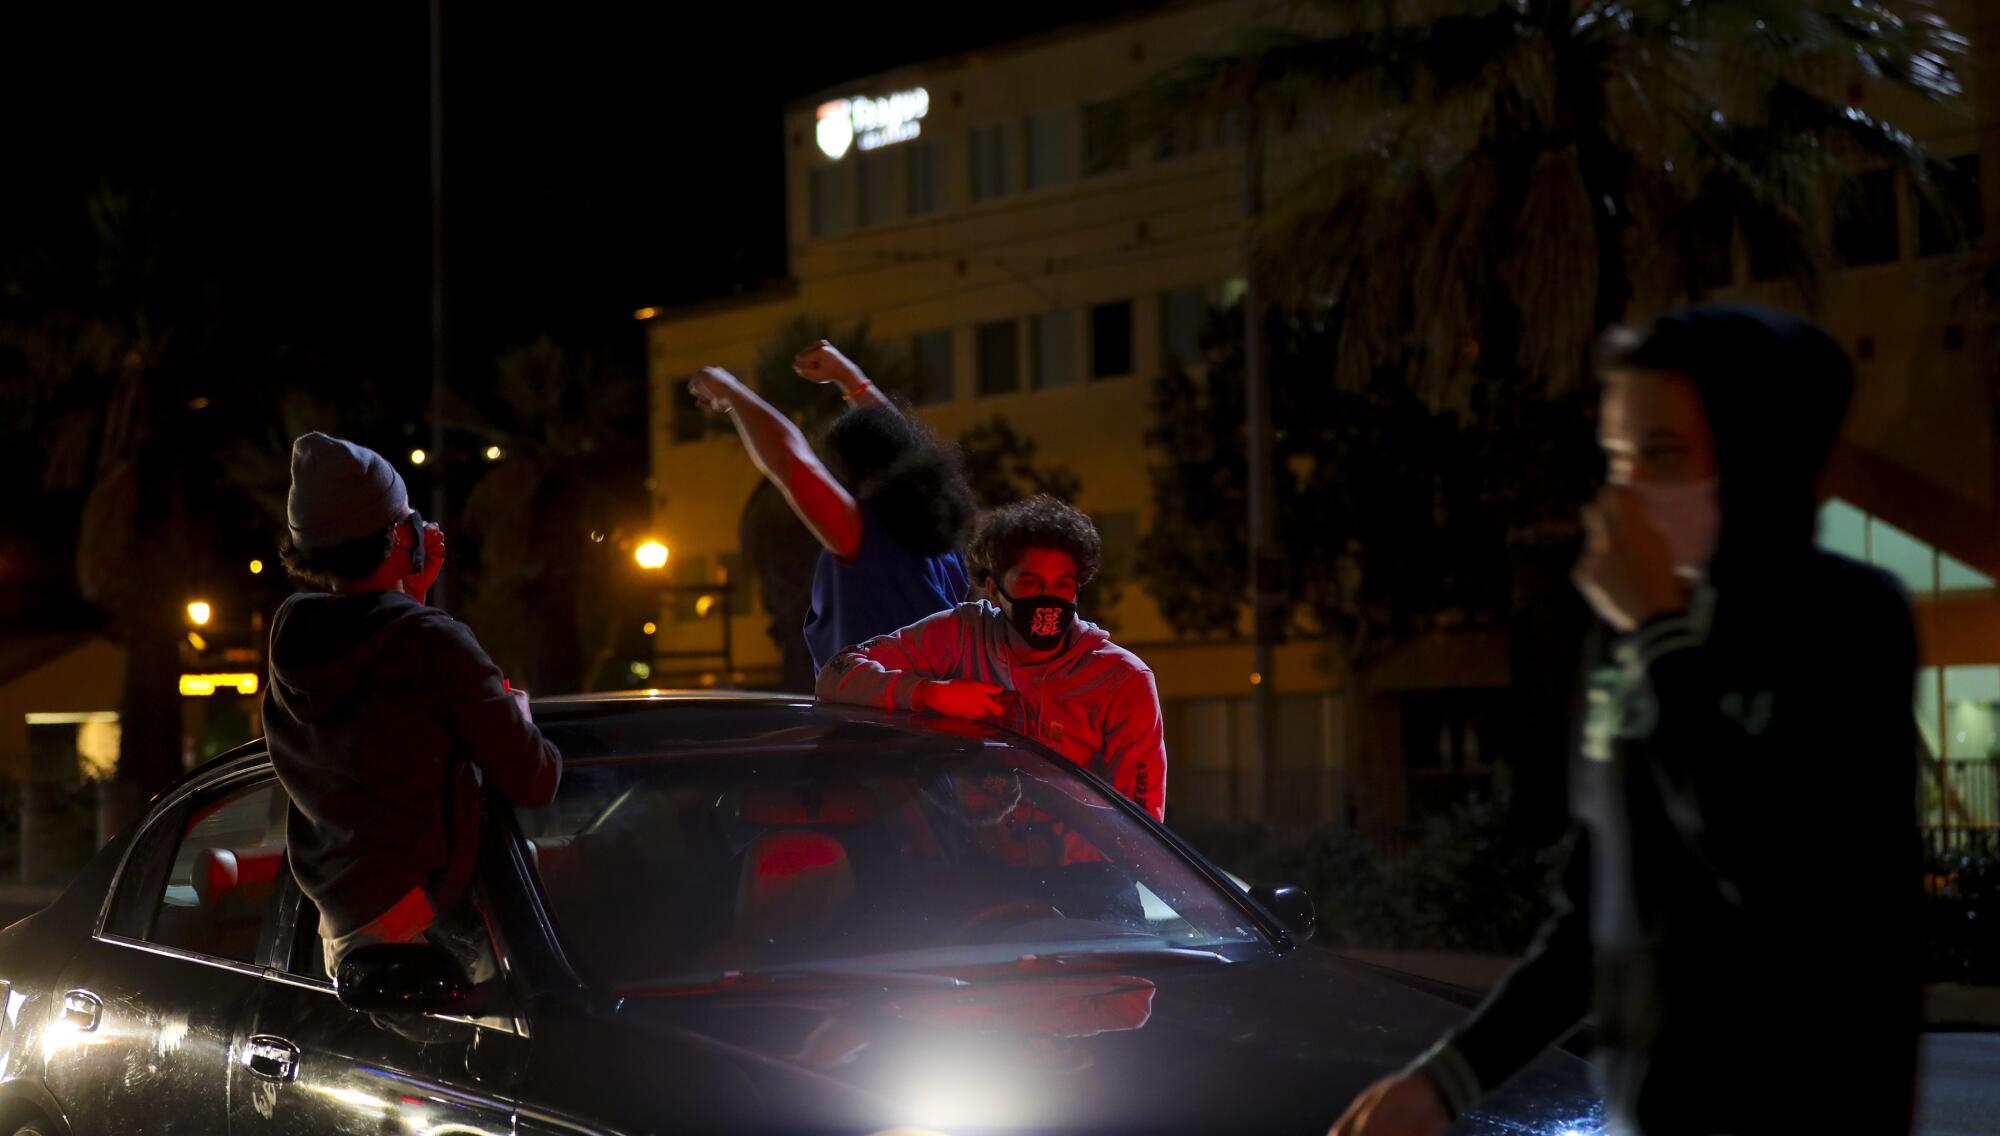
(676, 722)
(666, 724)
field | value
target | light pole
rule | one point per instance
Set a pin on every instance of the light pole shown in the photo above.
(1267, 592)
(440, 341)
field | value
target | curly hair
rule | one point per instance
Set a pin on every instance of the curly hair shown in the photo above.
(888, 458)
(1038, 522)
(336, 564)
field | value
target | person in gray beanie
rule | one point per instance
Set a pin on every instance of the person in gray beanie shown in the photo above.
(385, 717)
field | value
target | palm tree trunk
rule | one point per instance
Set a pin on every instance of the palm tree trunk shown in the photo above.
(149, 745)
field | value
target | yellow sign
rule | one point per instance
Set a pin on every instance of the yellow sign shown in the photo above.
(203, 685)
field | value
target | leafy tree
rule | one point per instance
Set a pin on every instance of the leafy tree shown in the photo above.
(1381, 501)
(1000, 464)
(1494, 182)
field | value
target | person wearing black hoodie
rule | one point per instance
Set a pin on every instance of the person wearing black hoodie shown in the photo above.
(1739, 908)
(385, 717)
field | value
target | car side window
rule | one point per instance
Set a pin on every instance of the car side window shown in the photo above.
(219, 882)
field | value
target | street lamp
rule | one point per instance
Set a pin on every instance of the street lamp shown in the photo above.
(417, 457)
(651, 555)
(494, 453)
(256, 567)
(199, 613)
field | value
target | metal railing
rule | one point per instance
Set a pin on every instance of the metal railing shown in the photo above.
(1960, 803)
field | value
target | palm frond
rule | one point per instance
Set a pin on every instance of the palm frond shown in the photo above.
(1552, 270)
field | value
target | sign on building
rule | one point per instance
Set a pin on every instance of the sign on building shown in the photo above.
(869, 123)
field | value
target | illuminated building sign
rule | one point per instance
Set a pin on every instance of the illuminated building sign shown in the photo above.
(871, 124)
(204, 685)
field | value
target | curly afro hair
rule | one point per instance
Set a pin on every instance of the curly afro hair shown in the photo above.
(1038, 522)
(328, 568)
(888, 458)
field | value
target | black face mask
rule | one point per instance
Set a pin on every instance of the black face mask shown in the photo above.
(1042, 620)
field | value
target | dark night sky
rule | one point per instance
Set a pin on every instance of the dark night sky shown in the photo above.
(601, 157)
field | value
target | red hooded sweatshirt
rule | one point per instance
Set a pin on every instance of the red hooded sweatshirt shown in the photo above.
(1094, 703)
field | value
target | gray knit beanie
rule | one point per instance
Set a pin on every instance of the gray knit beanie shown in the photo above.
(341, 492)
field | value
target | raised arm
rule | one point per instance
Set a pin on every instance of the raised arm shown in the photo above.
(783, 455)
(823, 363)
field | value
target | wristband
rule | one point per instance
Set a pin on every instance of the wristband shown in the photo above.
(859, 388)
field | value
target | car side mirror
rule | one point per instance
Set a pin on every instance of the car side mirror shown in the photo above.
(1292, 907)
(403, 978)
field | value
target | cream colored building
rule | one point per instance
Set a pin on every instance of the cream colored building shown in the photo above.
(1037, 273)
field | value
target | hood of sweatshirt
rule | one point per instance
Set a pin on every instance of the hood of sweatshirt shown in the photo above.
(1775, 389)
(322, 643)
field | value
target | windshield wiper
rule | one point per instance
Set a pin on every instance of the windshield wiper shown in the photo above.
(792, 981)
(1060, 962)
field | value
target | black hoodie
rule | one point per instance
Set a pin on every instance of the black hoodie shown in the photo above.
(1740, 908)
(378, 712)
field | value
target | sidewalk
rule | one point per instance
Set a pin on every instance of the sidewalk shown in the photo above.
(1946, 1005)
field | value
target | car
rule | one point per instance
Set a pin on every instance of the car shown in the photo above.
(741, 912)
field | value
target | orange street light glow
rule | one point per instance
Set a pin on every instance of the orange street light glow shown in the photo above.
(256, 567)
(651, 554)
(199, 613)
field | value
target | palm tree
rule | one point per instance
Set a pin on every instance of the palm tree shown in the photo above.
(1485, 185)
(564, 461)
(116, 375)
(1482, 187)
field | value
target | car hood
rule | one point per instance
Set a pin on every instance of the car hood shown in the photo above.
(1185, 1043)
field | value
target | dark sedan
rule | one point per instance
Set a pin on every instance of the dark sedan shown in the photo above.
(748, 913)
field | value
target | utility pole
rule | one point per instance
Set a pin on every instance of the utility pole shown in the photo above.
(440, 461)
(1267, 592)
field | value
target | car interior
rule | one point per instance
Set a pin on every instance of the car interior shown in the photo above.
(224, 871)
(790, 871)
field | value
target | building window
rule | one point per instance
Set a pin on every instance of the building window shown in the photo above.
(1864, 229)
(1958, 187)
(740, 586)
(1232, 127)
(688, 604)
(1111, 340)
(1924, 570)
(1119, 531)
(1107, 138)
(881, 197)
(1049, 147)
(930, 354)
(926, 169)
(1179, 137)
(690, 421)
(999, 357)
(989, 163)
(1181, 313)
(832, 212)
(1052, 337)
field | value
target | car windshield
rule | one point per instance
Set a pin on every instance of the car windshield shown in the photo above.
(828, 844)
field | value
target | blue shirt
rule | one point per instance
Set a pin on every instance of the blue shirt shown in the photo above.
(885, 588)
